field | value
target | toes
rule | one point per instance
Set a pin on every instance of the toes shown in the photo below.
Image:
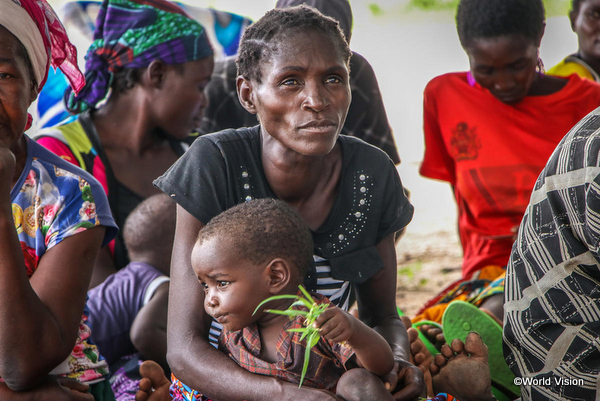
(406, 321)
(440, 360)
(446, 351)
(475, 346)
(433, 368)
(457, 346)
(419, 358)
(413, 334)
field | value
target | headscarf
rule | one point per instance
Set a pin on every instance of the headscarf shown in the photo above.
(35, 24)
(339, 10)
(132, 34)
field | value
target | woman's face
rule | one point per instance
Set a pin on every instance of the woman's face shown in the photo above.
(304, 95)
(586, 24)
(17, 90)
(182, 98)
(504, 65)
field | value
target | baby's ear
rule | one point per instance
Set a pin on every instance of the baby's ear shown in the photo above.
(280, 274)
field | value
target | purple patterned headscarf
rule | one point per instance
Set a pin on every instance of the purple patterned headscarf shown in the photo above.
(132, 34)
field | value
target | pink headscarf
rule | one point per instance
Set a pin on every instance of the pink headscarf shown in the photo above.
(47, 45)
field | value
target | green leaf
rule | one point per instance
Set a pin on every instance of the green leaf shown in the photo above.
(275, 298)
(306, 294)
(287, 312)
(305, 365)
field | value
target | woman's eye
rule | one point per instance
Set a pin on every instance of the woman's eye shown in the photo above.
(290, 82)
(4, 75)
(333, 80)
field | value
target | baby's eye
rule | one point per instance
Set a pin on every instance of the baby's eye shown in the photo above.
(204, 285)
(222, 284)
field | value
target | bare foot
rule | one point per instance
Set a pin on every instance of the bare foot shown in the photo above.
(462, 370)
(434, 334)
(154, 385)
(419, 354)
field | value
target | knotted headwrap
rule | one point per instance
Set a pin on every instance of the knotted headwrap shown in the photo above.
(133, 33)
(35, 24)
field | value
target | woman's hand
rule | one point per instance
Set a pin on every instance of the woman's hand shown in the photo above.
(407, 381)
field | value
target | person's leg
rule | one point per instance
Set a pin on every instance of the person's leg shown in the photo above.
(419, 354)
(361, 385)
(154, 385)
(494, 306)
(462, 370)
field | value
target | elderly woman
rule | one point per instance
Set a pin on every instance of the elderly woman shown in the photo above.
(54, 218)
(293, 73)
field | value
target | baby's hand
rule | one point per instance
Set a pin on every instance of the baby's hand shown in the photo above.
(336, 325)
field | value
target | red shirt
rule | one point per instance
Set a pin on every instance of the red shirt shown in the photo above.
(492, 153)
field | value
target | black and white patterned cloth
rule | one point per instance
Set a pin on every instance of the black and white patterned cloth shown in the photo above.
(552, 289)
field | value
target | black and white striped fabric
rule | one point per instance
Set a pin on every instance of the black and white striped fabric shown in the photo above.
(337, 291)
(552, 289)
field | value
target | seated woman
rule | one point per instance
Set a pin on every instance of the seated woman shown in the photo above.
(145, 94)
(490, 131)
(54, 217)
(293, 73)
(585, 17)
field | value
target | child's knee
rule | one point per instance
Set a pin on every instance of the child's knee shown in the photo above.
(359, 384)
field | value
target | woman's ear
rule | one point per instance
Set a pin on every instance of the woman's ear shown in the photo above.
(245, 92)
(279, 275)
(154, 75)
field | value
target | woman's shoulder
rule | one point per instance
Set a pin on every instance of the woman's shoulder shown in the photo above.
(450, 79)
(358, 152)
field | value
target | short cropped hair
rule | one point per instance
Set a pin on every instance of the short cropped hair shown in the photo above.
(261, 230)
(150, 227)
(486, 19)
(261, 39)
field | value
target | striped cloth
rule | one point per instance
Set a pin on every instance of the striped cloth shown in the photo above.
(552, 289)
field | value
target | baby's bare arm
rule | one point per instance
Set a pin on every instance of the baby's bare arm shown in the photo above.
(372, 351)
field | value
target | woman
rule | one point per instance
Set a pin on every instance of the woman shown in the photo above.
(146, 70)
(585, 22)
(489, 131)
(54, 218)
(293, 73)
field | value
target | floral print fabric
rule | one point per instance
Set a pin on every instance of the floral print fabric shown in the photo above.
(51, 201)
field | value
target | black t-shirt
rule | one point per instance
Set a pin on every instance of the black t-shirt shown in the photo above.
(223, 169)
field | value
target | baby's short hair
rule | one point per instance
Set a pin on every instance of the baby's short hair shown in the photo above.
(264, 229)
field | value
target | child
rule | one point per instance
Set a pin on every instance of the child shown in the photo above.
(262, 248)
(128, 311)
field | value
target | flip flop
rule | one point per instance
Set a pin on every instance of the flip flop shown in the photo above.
(461, 318)
(428, 344)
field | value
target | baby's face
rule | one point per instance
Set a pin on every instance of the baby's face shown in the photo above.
(233, 287)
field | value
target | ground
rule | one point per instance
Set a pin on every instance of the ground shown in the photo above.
(427, 263)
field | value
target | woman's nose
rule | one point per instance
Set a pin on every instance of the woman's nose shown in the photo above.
(504, 81)
(316, 98)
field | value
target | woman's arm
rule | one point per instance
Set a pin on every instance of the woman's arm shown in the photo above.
(192, 359)
(377, 308)
(41, 316)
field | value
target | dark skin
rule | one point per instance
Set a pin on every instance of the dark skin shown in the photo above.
(302, 103)
(26, 358)
(585, 22)
(132, 126)
(506, 66)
